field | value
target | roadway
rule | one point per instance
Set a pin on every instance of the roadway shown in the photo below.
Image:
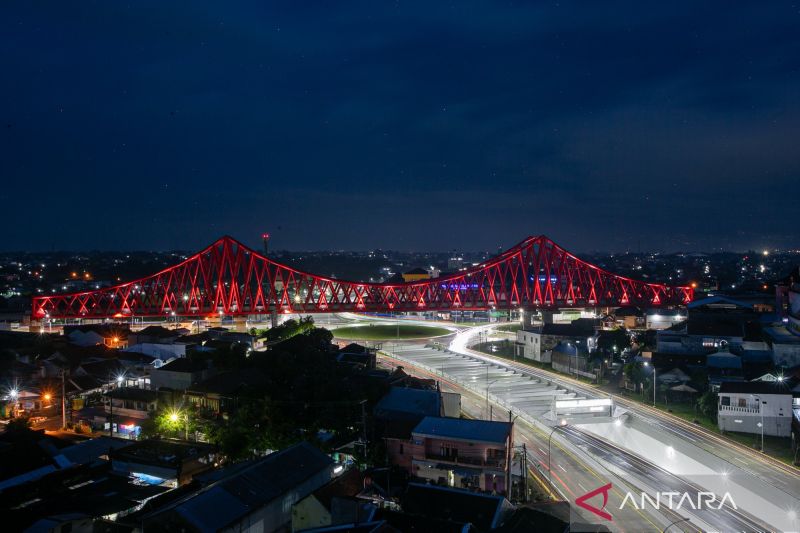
(781, 475)
(532, 397)
(568, 473)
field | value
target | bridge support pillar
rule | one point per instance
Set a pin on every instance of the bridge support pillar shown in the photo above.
(547, 316)
(273, 316)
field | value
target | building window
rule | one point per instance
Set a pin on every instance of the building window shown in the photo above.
(725, 400)
(742, 402)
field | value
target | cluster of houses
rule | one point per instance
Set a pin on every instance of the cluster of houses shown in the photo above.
(104, 368)
(445, 473)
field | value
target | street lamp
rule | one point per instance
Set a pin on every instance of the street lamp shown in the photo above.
(119, 379)
(487, 390)
(654, 382)
(561, 424)
(175, 416)
(761, 411)
(13, 395)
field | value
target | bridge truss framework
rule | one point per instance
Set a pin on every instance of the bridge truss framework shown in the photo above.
(228, 278)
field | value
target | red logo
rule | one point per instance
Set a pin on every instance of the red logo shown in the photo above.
(581, 501)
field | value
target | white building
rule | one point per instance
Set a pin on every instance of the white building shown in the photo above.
(745, 406)
(538, 343)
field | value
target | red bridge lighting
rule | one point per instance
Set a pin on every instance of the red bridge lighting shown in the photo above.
(230, 278)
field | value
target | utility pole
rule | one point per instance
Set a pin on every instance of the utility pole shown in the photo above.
(63, 401)
(524, 473)
(111, 412)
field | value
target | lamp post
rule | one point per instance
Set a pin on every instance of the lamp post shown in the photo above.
(561, 424)
(118, 381)
(487, 390)
(654, 382)
(13, 395)
(761, 411)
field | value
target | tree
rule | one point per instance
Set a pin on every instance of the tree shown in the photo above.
(707, 404)
(171, 421)
(634, 373)
(18, 425)
(610, 343)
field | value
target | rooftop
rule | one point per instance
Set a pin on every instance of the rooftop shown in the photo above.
(133, 393)
(465, 429)
(401, 402)
(183, 364)
(229, 383)
(755, 387)
(162, 452)
(252, 487)
(718, 302)
(485, 511)
(723, 360)
(781, 335)
(158, 331)
(568, 330)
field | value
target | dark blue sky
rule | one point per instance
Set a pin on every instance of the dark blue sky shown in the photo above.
(406, 125)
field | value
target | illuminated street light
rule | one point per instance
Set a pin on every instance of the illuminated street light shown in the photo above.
(175, 416)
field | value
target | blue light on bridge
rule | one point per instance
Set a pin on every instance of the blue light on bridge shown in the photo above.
(543, 278)
(459, 286)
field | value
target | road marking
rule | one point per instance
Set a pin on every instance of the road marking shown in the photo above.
(562, 468)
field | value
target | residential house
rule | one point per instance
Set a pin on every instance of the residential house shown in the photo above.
(358, 356)
(399, 412)
(257, 495)
(723, 366)
(745, 406)
(180, 374)
(486, 512)
(159, 342)
(538, 343)
(163, 462)
(459, 452)
(334, 503)
(109, 335)
(629, 317)
(220, 393)
(127, 408)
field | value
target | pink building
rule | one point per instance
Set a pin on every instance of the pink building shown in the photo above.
(457, 452)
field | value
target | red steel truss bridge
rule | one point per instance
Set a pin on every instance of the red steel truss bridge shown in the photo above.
(231, 279)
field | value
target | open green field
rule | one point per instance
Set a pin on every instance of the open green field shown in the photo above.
(377, 332)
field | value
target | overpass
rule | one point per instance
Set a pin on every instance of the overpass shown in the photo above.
(228, 278)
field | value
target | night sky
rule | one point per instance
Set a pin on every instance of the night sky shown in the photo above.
(405, 125)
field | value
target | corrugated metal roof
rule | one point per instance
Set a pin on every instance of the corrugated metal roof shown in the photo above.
(250, 488)
(464, 429)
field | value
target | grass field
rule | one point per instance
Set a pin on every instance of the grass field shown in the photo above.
(377, 332)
